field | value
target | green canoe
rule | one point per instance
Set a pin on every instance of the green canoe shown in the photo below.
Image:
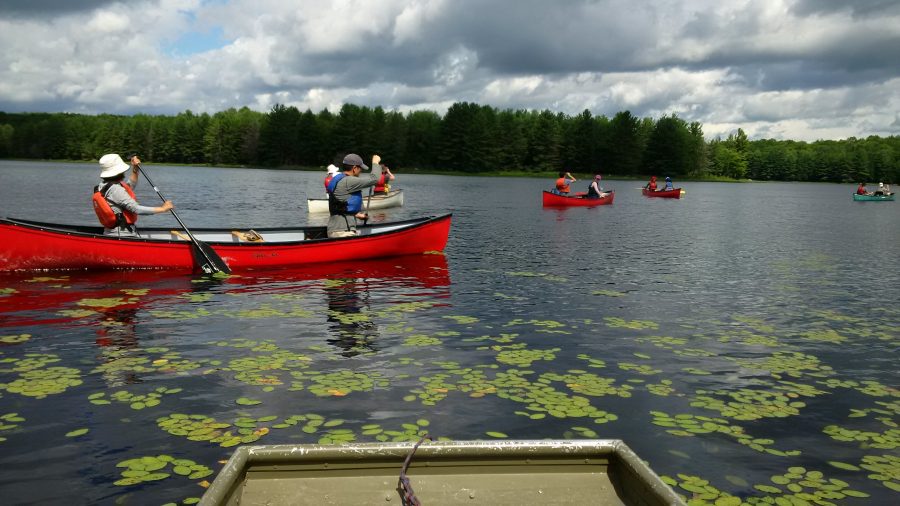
(888, 197)
(440, 473)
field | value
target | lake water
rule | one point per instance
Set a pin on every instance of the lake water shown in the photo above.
(745, 335)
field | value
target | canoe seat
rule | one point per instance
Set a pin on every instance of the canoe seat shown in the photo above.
(248, 236)
(178, 234)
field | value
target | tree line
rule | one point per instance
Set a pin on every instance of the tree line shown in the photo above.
(469, 138)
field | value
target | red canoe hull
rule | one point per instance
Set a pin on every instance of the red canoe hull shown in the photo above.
(32, 246)
(555, 200)
(666, 194)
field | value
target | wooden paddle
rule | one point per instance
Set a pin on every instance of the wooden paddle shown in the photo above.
(205, 257)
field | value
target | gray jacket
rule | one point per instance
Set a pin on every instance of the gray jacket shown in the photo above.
(119, 200)
(342, 191)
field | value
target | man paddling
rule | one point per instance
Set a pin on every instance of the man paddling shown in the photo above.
(345, 200)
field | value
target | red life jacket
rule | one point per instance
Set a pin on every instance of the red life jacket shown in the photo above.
(379, 186)
(328, 180)
(561, 185)
(109, 218)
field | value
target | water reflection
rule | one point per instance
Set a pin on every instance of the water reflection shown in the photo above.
(350, 326)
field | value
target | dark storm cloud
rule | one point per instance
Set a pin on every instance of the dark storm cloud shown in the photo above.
(534, 37)
(48, 8)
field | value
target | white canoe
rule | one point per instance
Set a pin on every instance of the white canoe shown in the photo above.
(394, 198)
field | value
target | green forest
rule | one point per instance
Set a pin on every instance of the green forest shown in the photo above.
(469, 138)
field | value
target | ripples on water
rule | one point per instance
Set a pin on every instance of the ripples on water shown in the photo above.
(536, 323)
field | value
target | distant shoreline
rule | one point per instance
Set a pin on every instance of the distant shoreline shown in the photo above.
(431, 172)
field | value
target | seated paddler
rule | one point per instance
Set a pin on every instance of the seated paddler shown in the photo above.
(114, 201)
(345, 198)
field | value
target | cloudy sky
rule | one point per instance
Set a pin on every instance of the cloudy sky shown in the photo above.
(784, 69)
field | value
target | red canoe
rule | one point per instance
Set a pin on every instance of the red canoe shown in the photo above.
(28, 245)
(666, 194)
(556, 200)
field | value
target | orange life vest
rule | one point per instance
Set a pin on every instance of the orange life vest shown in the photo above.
(109, 218)
(561, 185)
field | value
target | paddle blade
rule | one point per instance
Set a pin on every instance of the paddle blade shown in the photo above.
(207, 260)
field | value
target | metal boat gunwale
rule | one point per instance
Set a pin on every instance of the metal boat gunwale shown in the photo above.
(640, 484)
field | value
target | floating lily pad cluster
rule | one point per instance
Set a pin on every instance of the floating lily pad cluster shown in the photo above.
(548, 326)
(642, 369)
(608, 293)
(592, 362)
(749, 404)
(107, 302)
(503, 338)
(9, 421)
(262, 369)
(135, 401)
(663, 389)
(543, 398)
(519, 355)
(118, 361)
(204, 428)
(150, 468)
(614, 322)
(407, 432)
(331, 433)
(41, 382)
(421, 340)
(788, 363)
(887, 440)
(30, 362)
(338, 383)
(406, 307)
(585, 383)
(867, 387)
(15, 338)
(795, 487)
(823, 335)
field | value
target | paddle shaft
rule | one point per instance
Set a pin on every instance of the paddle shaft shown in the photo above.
(210, 266)
(369, 199)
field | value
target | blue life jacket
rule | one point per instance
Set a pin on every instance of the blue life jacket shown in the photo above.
(353, 204)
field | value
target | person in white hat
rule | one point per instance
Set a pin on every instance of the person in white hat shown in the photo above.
(345, 200)
(329, 173)
(120, 213)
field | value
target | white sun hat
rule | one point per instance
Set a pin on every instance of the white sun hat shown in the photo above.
(332, 169)
(112, 165)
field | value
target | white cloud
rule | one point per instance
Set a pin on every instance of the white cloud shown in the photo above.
(792, 68)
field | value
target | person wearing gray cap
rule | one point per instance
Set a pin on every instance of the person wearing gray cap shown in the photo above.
(345, 200)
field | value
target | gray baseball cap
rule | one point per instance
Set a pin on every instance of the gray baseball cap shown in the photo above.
(353, 159)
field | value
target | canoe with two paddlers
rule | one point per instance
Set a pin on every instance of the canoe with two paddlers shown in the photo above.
(393, 198)
(666, 194)
(29, 245)
(440, 473)
(556, 200)
(885, 197)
